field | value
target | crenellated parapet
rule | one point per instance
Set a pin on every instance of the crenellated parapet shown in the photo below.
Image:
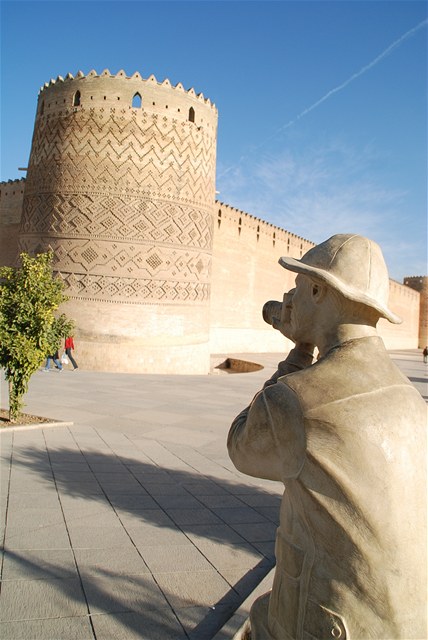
(123, 93)
(250, 227)
(8, 183)
(419, 283)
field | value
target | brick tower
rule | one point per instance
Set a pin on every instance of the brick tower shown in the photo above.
(121, 186)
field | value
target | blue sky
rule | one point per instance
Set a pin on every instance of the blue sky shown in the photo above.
(322, 105)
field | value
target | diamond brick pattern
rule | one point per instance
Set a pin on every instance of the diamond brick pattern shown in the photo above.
(117, 217)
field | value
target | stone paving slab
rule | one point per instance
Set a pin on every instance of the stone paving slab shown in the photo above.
(63, 628)
(132, 522)
(152, 624)
(39, 564)
(31, 599)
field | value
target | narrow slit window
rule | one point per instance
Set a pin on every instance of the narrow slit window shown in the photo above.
(191, 114)
(76, 99)
(136, 101)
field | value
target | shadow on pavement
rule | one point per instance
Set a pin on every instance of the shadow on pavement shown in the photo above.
(153, 505)
(146, 620)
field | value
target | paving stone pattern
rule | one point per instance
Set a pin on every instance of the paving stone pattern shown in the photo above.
(133, 523)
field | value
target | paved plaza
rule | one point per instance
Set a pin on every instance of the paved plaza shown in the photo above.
(132, 523)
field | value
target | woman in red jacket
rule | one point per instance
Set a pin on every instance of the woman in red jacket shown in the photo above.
(69, 346)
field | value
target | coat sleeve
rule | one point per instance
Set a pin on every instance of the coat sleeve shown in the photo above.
(267, 439)
(295, 361)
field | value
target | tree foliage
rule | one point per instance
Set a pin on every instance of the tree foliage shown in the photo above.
(29, 297)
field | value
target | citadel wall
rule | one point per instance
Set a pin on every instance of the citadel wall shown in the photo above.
(246, 274)
(405, 303)
(11, 199)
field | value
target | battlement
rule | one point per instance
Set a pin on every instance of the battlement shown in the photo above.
(10, 190)
(415, 279)
(241, 219)
(15, 181)
(418, 283)
(122, 93)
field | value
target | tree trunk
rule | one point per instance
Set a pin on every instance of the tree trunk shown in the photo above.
(11, 419)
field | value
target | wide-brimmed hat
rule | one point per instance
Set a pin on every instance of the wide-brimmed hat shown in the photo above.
(353, 265)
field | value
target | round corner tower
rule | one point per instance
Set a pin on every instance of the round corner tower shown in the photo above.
(121, 187)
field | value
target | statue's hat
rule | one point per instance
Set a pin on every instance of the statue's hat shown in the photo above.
(351, 264)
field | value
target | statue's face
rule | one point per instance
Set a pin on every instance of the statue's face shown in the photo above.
(286, 308)
(302, 310)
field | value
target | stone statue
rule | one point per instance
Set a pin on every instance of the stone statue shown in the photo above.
(347, 437)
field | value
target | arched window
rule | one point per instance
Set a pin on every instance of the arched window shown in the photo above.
(191, 114)
(136, 101)
(42, 108)
(76, 99)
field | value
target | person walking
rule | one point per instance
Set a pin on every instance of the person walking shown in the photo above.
(425, 353)
(56, 360)
(69, 346)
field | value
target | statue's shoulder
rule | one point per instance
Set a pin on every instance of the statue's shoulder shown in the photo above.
(353, 369)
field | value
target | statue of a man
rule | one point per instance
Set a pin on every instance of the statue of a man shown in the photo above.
(347, 437)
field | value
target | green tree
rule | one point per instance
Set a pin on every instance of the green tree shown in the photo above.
(29, 297)
(60, 329)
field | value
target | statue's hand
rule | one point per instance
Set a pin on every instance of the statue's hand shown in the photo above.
(282, 323)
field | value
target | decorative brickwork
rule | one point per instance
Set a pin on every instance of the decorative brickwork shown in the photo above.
(105, 184)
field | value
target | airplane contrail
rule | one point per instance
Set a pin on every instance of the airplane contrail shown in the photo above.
(339, 87)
